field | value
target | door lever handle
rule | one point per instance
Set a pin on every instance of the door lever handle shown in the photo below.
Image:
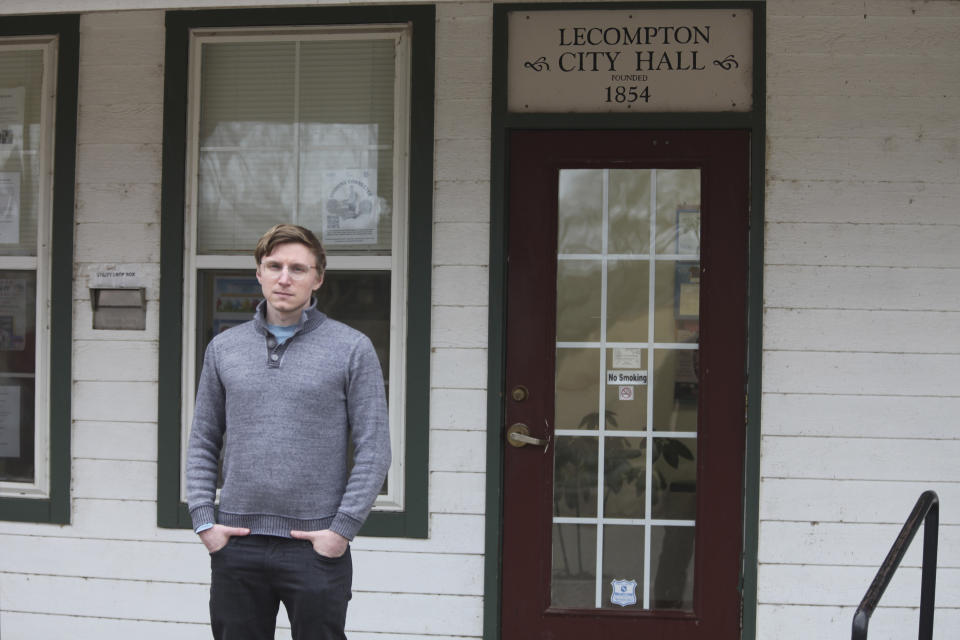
(519, 436)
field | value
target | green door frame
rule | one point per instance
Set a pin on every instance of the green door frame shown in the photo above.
(503, 122)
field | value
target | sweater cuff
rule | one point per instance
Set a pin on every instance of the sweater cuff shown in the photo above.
(203, 514)
(345, 525)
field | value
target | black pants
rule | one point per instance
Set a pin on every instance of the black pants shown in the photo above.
(252, 575)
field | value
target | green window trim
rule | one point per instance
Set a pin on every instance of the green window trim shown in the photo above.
(412, 522)
(55, 508)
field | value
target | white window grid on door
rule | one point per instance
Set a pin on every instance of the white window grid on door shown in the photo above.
(648, 434)
(396, 262)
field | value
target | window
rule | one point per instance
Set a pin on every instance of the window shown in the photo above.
(38, 101)
(309, 123)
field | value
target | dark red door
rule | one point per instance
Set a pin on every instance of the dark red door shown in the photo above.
(626, 351)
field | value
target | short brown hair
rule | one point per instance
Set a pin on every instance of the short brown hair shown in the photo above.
(284, 233)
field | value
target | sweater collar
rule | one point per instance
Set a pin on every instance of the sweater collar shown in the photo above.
(310, 318)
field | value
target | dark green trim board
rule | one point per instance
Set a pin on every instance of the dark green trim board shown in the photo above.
(502, 124)
(412, 522)
(56, 508)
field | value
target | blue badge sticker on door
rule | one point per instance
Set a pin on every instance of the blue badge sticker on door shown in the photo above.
(624, 592)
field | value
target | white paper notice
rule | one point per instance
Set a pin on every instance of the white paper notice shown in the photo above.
(627, 358)
(9, 421)
(351, 209)
(9, 207)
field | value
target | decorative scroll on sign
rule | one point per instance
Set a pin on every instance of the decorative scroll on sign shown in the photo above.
(650, 60)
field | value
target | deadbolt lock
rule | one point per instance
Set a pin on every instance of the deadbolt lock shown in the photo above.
(520, 393)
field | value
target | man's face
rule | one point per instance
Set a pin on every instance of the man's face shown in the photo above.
(288, 277)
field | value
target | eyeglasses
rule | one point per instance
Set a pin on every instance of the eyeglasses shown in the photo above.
(295, 271)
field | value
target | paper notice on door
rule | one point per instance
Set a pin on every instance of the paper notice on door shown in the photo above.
(633, 377)
(9, 421)
(627, 358)
(9, 207)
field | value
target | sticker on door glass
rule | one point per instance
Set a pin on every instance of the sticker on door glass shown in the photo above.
(625, 377)
(624, 592)
(626, 393)
(627, 358)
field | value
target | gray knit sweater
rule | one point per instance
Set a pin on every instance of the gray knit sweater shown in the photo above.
(283, 415)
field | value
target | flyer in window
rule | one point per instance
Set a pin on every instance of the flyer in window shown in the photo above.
(13, 314)
(9, 207)
(9, 421)
(351, 208)
(11, 120)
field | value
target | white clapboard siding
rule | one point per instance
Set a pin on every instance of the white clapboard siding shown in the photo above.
(115, 360)
(855, 75)
(867, 501)
(115, 440)
(119, 401)
(120, 123)
(463, 160)
(462, 200)
(832, 585)
(459, 326)
(864, 201)
(895, 374)
(900, 159)
(857, 34)
(19, 625)
(461, 285)
(461, 243)
(462, 118)
(458, 451)
(868, 416)
(119, 163)
(458, 368)
(848, 543)
(900, 459)
(458, 409)
(862, 245)
(914, 289)
(114, 479)
(895, 126)
(132, 203)
(861, 330)
(457, 492)
(118, 242)
(95, 597)
(802, 622)
(439, 615)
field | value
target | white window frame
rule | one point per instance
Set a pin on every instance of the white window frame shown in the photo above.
(397, 262)
(41, 264)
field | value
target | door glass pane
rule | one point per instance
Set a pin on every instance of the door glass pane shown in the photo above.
(575, 477)
(626, 403)
(624, 477)
(574, 566)
(671, 570)
(578, 300)
(580, 220)
(627, 333)
(578, 388)
(628, 283)
(629, 211)
(623, 560)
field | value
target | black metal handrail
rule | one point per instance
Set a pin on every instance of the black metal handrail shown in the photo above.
(927, 513)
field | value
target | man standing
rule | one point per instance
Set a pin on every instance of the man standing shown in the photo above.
(280, 396)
